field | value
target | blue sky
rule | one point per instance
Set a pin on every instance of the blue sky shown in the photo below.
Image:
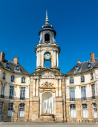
(75, 21)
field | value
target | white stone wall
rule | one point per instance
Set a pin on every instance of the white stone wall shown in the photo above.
(17, 83)
(77, 84)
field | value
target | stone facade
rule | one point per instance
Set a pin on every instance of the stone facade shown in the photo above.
(45, 94)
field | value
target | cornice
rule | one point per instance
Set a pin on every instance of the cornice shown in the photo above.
(47, 45)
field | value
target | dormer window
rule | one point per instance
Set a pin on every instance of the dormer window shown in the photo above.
(77, 68)
(17, 68)
(7, 65)
(89, 65)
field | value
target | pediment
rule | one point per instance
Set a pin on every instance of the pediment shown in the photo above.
(48, 74)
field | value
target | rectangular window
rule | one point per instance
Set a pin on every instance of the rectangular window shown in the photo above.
(1, 110)
(72, 93)
(71, 80)
(85, 113)
(92, 76)
(11, 92)
(83, 93)
(22, 93)
(82, 79)
(12, 78)
(2, 90)
(10, 109)
(3, 76)
(93, 91)
(95, 110)
(73, 111)
(23, 80)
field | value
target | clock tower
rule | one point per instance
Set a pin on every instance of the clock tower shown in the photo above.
(47, 49)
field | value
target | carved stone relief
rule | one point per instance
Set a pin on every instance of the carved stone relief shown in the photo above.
(48, 75)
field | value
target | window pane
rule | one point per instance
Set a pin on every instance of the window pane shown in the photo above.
(85, 113)
(9, 112)
(83, 92)
(72, 93)
(72, 111)
(93, 91)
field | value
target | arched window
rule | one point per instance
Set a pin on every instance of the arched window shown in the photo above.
(47, 38)
(95, 110)
(17, 68)
(85, 113)
(73, 111)
(47, 64)
(21, 109)
(10, 109)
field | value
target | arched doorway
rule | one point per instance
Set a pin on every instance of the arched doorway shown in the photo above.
(47, 101)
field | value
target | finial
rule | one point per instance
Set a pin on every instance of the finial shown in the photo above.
(46, 17)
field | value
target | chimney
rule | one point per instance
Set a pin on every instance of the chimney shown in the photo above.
(2, 57)
(78, 61)
(16, 60)
(92, 56)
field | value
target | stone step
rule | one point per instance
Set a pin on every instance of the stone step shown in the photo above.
(46, 118)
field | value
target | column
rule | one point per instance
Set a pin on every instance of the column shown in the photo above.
(37, 58)
(34, 87)
(37, 87)
(57, 60)
(60, 87)
(42, 58)
(54, 58)
(56, 87)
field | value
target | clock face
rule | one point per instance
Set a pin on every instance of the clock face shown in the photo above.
(47, 55)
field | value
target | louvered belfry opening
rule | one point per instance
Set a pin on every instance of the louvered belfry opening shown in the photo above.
(47, 38)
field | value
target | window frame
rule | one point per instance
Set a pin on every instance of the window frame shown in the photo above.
(2, 90)
(3, 76)
(92, 76)
(72, 93)
(22, 93)
(12, 78)
(83, 92)
(93, 91)
(95, 110)
(71, 80)
(72, 111)
(84, 109)
(10, 109)
(11, 94)
(22, 80)
(82, 78)
(22, 109)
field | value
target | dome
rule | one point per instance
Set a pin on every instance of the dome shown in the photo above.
(47, 26)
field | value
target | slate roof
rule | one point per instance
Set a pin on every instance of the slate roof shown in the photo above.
(83, 67)
(12, 67)
(47, 27)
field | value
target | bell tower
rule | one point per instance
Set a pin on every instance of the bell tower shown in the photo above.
(47, 49)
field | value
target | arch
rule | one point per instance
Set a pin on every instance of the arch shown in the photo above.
(47, 38)
(21, 109)
(73, 111)
(47, 103)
